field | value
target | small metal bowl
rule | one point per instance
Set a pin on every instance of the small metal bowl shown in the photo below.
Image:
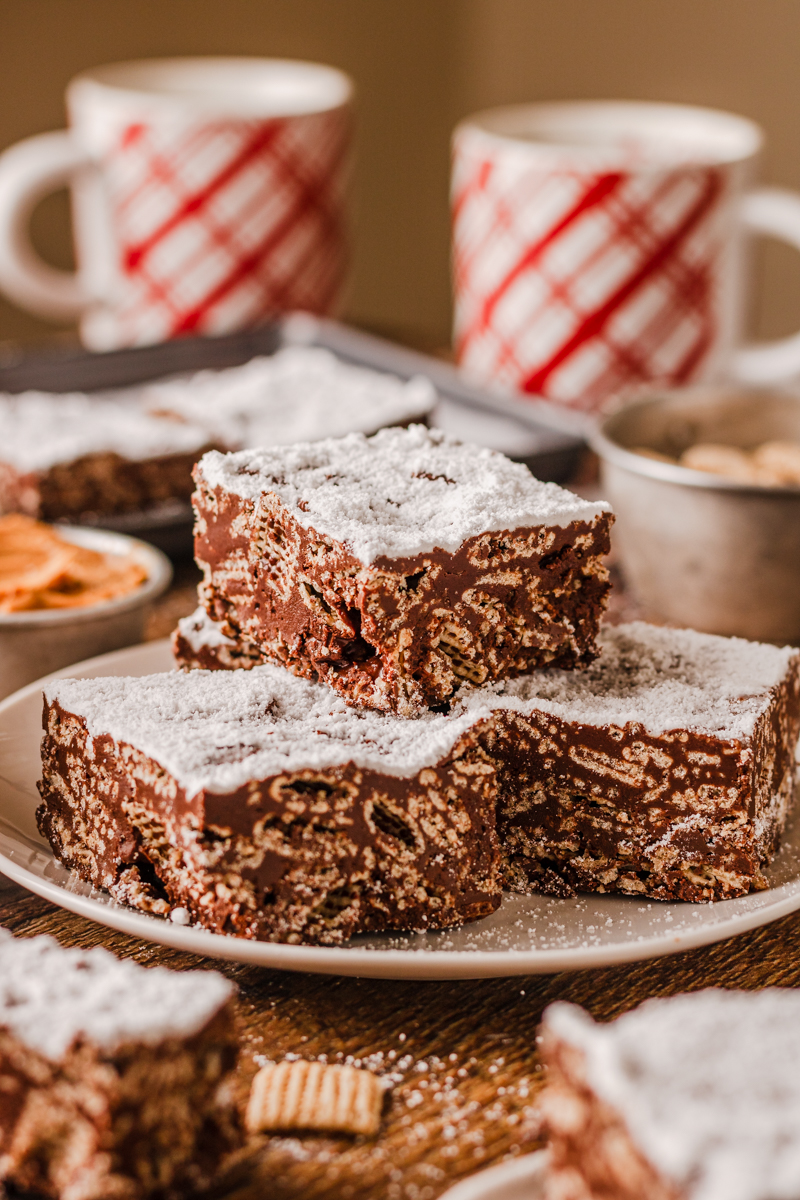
(35, 643)
(697, 549)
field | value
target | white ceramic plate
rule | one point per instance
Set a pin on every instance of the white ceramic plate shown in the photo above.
(527, 935)
(517, 1179)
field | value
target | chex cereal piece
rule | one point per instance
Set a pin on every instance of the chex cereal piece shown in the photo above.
(664, 769)
(695, 1097)
(314, 1095)
(115, 1080)
(266, 807)
(398, 567)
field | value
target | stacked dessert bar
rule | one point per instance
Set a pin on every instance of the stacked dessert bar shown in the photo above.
(397, 567)
(397, 700)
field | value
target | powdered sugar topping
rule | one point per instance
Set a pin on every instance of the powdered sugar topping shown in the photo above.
(298, 393)
(400, 493)
(217, 730)
(50, 996)
(661, 679)
(200, 631)
(708, 1086)
(39, 430)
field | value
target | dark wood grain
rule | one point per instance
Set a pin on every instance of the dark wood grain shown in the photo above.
(462, 1054)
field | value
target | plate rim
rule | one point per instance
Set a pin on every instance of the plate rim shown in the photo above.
(390, 963)
(522, 1168)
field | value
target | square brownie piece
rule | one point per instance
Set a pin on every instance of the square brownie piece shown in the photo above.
(688, 1098)
(397, 567)
(665, 769)
(115, 1080)
(263, 806)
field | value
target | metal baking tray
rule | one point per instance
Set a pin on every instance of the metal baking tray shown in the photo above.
(548, 440)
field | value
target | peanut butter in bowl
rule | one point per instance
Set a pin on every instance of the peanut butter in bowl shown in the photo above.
(39, 569)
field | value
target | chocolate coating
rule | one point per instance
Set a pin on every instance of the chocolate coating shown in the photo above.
(401, 634)
(313, 856)
(680, 816)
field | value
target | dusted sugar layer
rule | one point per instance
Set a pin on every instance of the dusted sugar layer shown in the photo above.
(62, 455)
(401, 493)
(267, 807)
(50, 997)
(692, 1098)
(116, 1078)
(198, 643)
(299, 394)
(666, 768)
(398, 567)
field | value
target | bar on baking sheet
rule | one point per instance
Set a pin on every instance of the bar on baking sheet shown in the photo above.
(62, 455)
(398, 567)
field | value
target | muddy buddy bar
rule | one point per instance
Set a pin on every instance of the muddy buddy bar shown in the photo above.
(691, 1098)
(116, 1079)
(115, 452)
(398, 567)
(261, 804)
(664, 769)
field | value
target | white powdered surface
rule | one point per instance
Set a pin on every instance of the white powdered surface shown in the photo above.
(400, 493)
(217, 730)
(39, 430)
(661, 679)
(200, 631)
(50, 996)
(298, 393)
(708, 1086)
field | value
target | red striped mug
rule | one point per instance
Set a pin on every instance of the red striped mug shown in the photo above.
(208, 194)
(601, 246)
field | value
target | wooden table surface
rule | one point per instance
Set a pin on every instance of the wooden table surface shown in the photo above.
(461, 1055)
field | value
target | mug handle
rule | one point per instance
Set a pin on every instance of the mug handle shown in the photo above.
(29, 171)
(775, 212)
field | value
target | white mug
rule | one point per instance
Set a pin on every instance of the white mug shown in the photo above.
(600, 246)
(207, 194)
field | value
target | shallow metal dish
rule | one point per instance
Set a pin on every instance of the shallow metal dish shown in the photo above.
(698, 549)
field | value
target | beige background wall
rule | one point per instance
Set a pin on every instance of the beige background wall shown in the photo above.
(419, 66)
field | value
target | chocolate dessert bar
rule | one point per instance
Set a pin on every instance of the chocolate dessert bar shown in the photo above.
(65, 455)
(265, 807)
(61, 456)
(691, 1098)
(398, 567)
(115, 1080)
(665, 769)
